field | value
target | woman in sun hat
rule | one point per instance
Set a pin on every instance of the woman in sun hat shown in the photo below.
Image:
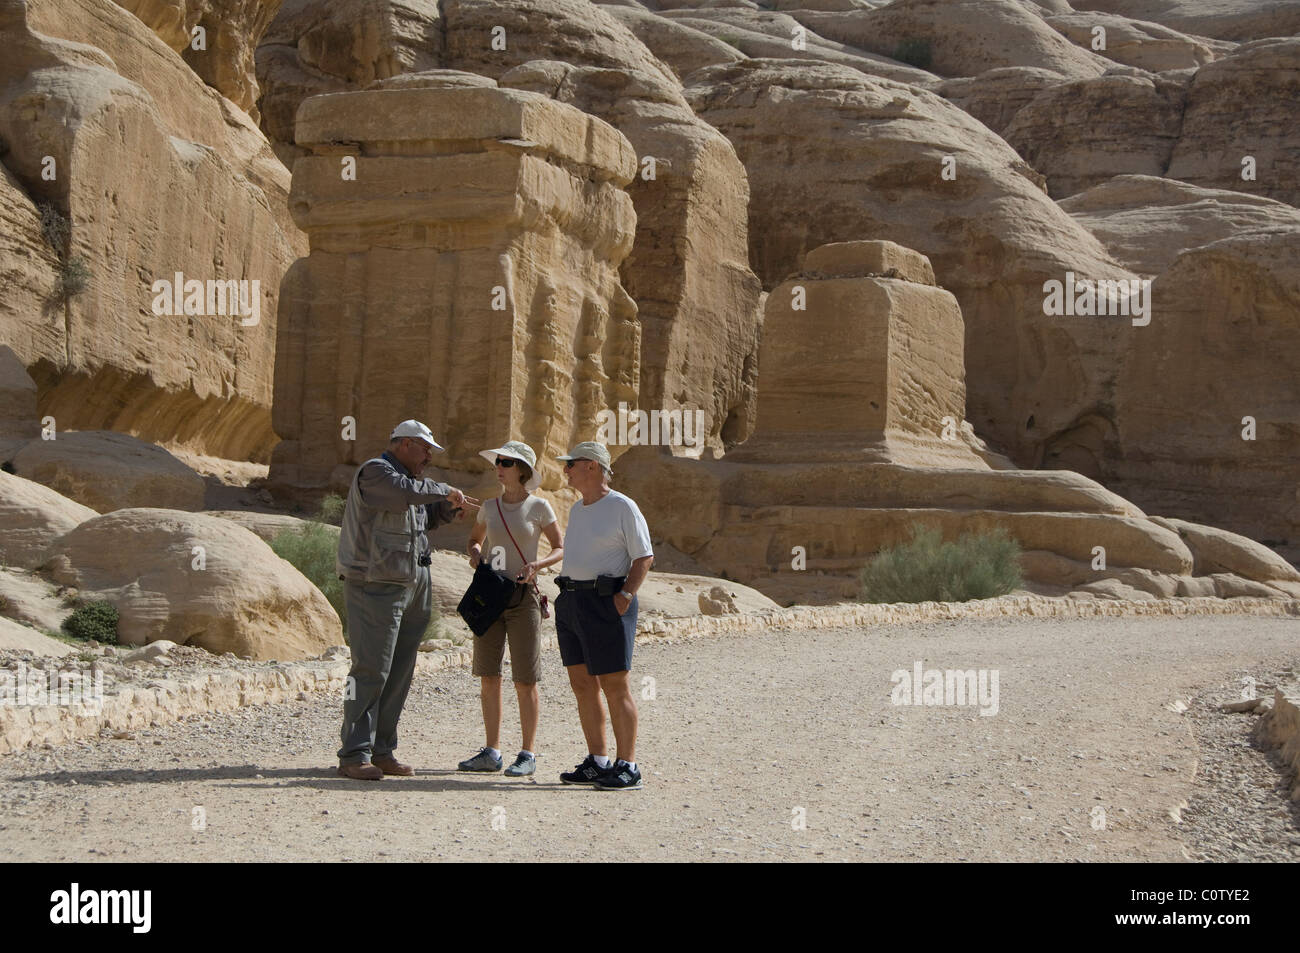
(510, 527)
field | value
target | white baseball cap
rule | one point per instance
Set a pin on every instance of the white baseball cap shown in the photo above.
(413, 428)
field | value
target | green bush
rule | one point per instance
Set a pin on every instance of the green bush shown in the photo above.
(312, 549)
(94, 620)
(914, 52)
(976, 566)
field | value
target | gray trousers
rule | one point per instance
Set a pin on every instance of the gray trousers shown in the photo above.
(385, 625)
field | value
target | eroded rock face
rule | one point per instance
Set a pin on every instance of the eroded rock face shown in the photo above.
(1146, 222)
(1148, 46)
(1244, 105)
(698, 298)
(1225, 19)
(1058, 132)
(103, 358)
(961, 37)
(467, 277)
(110, 471)
(33, 517)
(763, 33)
(19, 422)
(871, 156)
(1222, 346)
(994, 97)
(230, 33)
(697, 301)
(886, 345)
(848, 460)
(144, 561)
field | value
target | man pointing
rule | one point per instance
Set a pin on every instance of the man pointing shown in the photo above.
(384, 559)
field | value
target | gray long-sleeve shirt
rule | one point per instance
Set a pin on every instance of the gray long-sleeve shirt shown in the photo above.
(392, 488)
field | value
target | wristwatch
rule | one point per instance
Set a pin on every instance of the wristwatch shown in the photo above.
(630, 595)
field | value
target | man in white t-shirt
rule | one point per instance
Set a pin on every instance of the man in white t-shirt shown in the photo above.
(607, 554)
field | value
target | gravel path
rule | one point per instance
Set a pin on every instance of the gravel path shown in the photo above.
(746, 736)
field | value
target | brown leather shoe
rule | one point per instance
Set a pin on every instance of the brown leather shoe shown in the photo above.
(390, 765)
(361, 772)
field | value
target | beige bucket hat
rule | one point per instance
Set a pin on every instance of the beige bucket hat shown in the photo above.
(516, 450)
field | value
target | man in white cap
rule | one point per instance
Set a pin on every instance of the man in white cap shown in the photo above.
(384, 559)
(607, 554)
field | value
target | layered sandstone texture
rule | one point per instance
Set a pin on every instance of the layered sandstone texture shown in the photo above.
(849, 460)
(465, 275)
(122, 169)
(688, 269)
(216, 38)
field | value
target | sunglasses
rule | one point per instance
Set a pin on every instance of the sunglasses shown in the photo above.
(502, 462)
(568, 464)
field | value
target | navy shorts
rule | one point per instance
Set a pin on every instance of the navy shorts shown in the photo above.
(590, 631)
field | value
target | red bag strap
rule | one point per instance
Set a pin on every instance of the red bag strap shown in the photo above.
(502, 514)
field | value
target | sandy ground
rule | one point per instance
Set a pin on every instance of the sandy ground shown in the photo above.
(746, 736)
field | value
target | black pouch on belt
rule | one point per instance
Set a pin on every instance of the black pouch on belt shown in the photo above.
(608, 585)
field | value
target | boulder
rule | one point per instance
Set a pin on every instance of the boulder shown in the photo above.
(33, 517)
(1146, 222)
(176, 576)
(1112, 589)
(136, 137)
(268, 526)
(1230, 586)
(717, 601)
(110, 471)
(1218, 551)
(1244, 106)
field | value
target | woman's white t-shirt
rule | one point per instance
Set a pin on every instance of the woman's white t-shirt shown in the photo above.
(526, 519)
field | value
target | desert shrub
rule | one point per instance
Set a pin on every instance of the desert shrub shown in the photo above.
(73, 278)
(54, 227)
(93, 620)
(976, 566)
(913, 51)
(331, 509)
(311, 549)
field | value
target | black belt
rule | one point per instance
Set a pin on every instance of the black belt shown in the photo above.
(567, 584)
